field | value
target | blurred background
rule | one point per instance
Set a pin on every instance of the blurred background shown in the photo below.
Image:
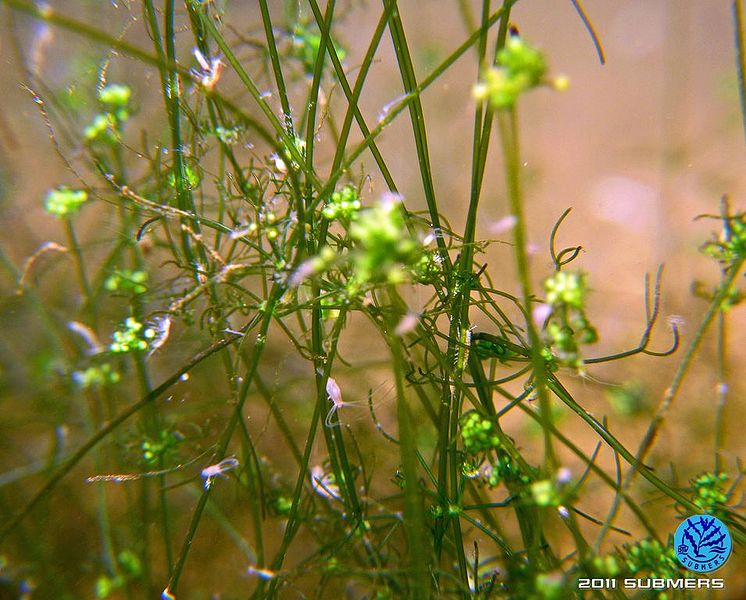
(638, 148)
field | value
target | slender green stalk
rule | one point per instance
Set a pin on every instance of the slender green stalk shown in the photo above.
(264, 321)
(414, 521)
(107, 543)
(277, 67)
(85, 286)
(352, 100)
(508, 125)
(722, 386)
(740, 43)
(633, 460)
(313, 93)
(672, 390)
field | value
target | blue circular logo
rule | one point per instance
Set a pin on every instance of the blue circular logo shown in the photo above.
(702, 543)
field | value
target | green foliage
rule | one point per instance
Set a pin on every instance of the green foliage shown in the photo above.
(231, 220)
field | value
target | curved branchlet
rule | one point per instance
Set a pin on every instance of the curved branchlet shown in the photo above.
(566, 255)
(652, 312)
(587, 23)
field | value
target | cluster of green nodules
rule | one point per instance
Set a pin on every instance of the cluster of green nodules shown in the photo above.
(191, 178)
(96, 376)
(520, 67)
(343, 205)
(155, 450)
(646, 559)
(605, 566)
(384, 247)
(383, 250)
(652, 559)
(710, 493)
(545, 493)
(487, 346)
(730, 245)
(503, 470)
(131, 569)
(116, 110)
(228, 135)
(127, 281)
(478, 433)
(568, 326)
(64, 202)
(727, 248)
(132, 337)
(376, 248)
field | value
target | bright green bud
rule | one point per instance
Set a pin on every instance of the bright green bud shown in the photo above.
(94, 377)
(130, 563)
(520, 68)
(104, 587)
(115, 96)
(478, 433)
(191, 178)
(64, 202)
(102, 129)
(522, 61)
(125, 280)
(566, 288)
(550, 586)
(283, 505)
(544, 493)
(606, 566)
(131, 338)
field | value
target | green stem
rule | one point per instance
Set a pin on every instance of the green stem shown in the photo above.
(85, 286)
(722, 385)
(414, 521)
(264, 319)
(277, 67)
(508, 126)
(738, 531)
(670, 394)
